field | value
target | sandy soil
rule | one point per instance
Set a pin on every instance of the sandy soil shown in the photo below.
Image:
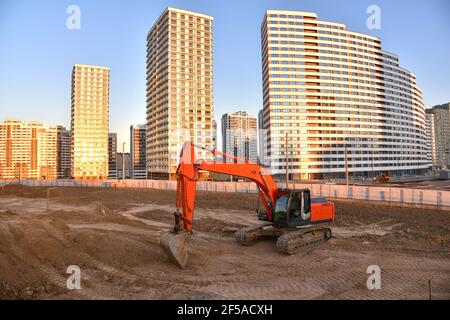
(113, 236)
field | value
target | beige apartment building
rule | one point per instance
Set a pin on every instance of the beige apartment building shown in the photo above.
(337, 93)
(239, 135)
(438, 136)
(90, 122)
(179, 88)
(28, 150)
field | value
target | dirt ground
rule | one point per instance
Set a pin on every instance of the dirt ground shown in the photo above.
(113, 236)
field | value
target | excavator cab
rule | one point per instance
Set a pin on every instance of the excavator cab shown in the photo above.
(292, 208)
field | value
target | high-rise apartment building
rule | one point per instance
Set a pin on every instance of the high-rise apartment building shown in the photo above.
(179, 88)
(332, 90)
(439, 132)
(90, 122)
(138, 151)
(262, 140)
(123, 165)
(430, 138)
(214, 134)
(28, 150)
(112, 152)
(63, 153)
(239, 135)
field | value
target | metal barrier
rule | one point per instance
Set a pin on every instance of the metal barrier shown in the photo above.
(369, 193)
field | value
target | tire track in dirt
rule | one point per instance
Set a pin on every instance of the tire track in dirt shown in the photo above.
(230, 216)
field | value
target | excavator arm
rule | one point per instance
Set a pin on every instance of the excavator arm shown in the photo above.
(188, 173)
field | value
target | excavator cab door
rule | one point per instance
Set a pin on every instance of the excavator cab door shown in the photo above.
(299, 208)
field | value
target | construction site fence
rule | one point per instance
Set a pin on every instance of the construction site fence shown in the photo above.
(369, 193)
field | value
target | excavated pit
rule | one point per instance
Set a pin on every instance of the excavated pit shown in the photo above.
(113, 236)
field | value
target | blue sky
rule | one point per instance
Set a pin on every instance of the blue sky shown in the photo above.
(37, 51)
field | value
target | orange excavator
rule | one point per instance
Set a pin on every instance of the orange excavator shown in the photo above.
(291, 215)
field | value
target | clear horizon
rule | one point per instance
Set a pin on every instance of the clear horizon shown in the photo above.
(39, 51)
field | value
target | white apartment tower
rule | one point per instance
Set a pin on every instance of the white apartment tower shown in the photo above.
(90, 122)
(330, 90)
(179, 88)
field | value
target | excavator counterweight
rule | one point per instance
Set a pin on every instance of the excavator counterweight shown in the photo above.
(290, 215)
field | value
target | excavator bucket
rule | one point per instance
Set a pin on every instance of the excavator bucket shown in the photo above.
(175, 245)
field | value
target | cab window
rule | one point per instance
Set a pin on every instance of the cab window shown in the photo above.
(307, 202)
(281, 204)
(296, 205)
